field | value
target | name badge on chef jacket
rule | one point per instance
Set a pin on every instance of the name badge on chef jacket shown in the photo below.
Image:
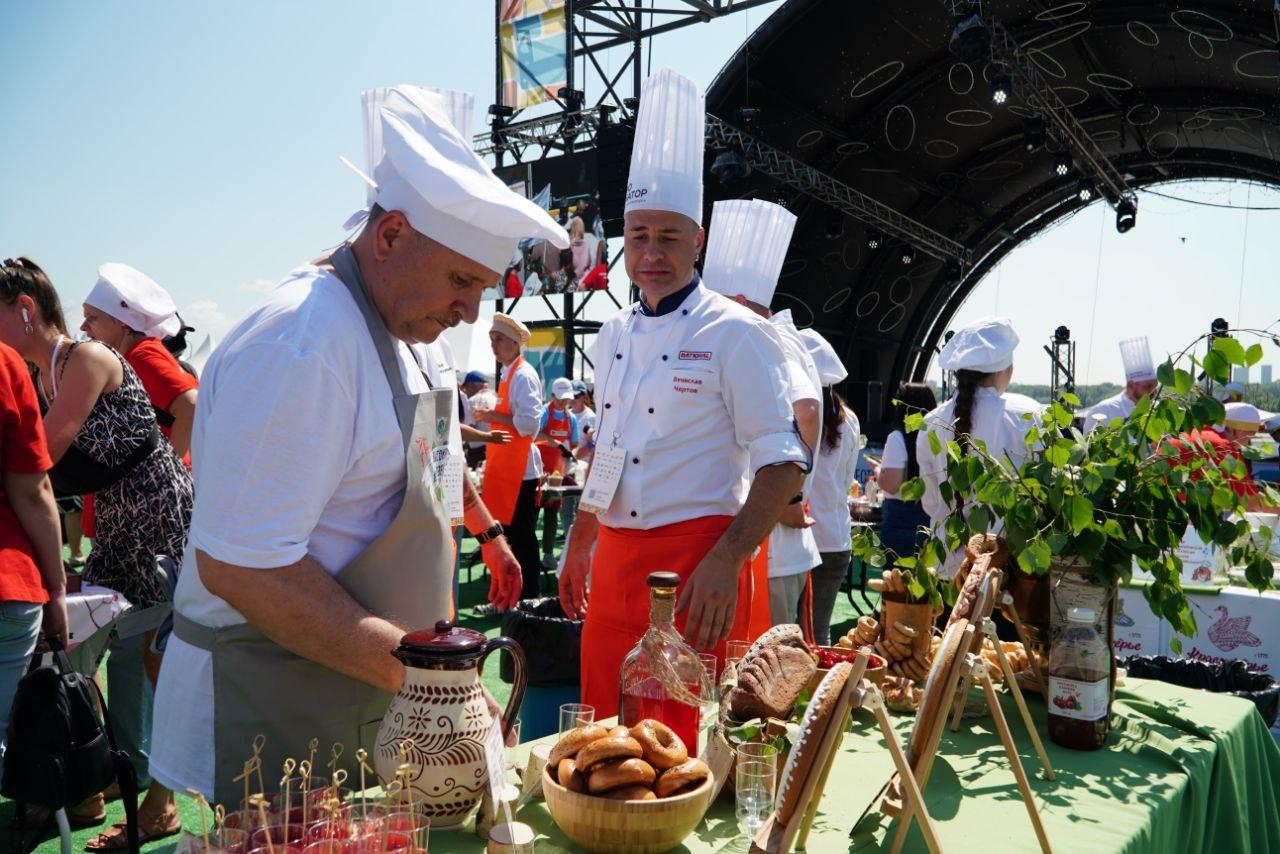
(602, 481)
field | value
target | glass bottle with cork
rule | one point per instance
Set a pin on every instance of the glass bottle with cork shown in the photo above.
(662, 678)
(1079, 684)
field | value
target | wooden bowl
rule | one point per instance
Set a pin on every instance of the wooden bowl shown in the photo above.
(626, 827)
(877, 667)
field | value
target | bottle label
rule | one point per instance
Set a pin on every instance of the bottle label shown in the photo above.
(1071, 698)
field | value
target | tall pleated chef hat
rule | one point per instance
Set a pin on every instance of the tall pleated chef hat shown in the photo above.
(666, 156)
(131, 297)
(746, 248)
(830, 369)
(425, 168)
(1136, 354)
(986, 345)
(1242, 416)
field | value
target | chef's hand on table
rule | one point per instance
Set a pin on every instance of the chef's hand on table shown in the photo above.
(708, 600)
(505, 579)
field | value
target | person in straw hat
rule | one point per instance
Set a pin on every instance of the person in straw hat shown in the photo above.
(696, 450)
(321, 532)
(512, 471)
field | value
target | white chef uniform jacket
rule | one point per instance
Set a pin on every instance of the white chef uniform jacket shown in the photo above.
(1116, 406)
(793, 550)
(524, 393)
(698, 399)
(833, 474)
(997, 421)
(296, 451)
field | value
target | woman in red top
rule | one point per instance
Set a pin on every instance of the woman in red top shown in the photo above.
(31, 574)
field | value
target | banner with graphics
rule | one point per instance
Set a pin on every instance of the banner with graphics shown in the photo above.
(531, 38)
(545, 353)
(1233, 623)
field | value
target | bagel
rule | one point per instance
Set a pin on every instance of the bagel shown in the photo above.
(607, 776)
(631, 793)
(619, 731)
(603, 749)
(574, 740)
(570, 777)
(689, 774)
(662, 748)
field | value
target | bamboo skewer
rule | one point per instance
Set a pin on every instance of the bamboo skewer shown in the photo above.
(990, 628)
(204, 827)
(261, 803)
(259, 742)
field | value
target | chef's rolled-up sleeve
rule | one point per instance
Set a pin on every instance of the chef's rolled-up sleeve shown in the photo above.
(277, 443)
(755, 387)
(526, 404)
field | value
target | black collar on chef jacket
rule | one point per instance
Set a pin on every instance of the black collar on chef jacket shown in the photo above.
(671, 302)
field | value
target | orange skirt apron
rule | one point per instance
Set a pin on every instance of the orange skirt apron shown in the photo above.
(504, 465)
(618, 610)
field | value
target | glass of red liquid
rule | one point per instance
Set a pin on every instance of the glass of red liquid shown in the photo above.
(416, 825)
(279, 834)
(229, 840)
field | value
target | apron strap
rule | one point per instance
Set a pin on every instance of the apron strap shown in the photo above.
(344, 264)
(191, 632)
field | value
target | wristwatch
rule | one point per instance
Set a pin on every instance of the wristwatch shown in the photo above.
(489, 535)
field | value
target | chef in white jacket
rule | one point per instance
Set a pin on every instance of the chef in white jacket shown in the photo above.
(1139, 381)
(982, 409)
(833, 473)
(745, 252)
(696, 450)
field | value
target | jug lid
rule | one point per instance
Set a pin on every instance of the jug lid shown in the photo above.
(445, 641)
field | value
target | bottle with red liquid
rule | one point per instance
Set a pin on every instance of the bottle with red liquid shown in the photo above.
(1079, 695)
(662, 678)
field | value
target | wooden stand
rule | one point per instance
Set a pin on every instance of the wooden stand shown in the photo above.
(973, 666)
(777, 836)
(1007, 602)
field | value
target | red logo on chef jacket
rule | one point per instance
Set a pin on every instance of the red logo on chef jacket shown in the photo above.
(695, 355)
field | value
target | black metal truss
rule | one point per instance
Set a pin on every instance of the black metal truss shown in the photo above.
(835, 194)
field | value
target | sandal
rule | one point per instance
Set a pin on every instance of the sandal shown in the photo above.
(117, 839)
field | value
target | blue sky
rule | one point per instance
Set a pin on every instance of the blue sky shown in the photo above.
(200, 141)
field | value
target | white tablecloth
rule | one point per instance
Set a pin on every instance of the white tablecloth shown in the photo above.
(1231, 623)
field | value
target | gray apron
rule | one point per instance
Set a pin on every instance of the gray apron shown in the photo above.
(404, 575)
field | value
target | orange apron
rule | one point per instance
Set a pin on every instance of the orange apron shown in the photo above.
(559, 428)
(504, 465)
(618, 612)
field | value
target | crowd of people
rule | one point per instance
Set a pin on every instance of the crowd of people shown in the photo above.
(714, 444)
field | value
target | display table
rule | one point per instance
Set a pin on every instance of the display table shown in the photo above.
(1183, 770)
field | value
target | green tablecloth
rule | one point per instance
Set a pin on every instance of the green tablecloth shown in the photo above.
(1183, 770)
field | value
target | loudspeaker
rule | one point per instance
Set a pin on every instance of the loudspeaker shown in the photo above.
(613, 160)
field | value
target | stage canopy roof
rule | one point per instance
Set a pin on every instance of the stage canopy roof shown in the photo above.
(869, 93)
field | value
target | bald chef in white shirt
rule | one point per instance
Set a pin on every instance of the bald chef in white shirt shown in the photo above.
(693, 403)
(321, 527)
(982, 409)
(745, 252)
(1139, 381)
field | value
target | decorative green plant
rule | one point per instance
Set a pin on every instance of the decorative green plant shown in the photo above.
(1118, 495)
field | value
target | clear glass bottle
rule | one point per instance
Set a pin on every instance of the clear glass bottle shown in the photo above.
(662, 678)
(1079, 684)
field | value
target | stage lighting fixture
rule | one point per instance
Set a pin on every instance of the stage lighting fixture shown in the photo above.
(631, 105)
(747, 116)
(908, 255)
(605, 113)
(873, 239)
(730, 166)
(1062, 165)
(835, 225)
(970, 38)
(1061, 335)
(1033, 134)
(1219, 327)
(1126, 216)
(573, 99)
(1085, 191)
(501, 111)
(1001, 88)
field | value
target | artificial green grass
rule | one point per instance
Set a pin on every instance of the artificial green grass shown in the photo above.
(472, 594)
